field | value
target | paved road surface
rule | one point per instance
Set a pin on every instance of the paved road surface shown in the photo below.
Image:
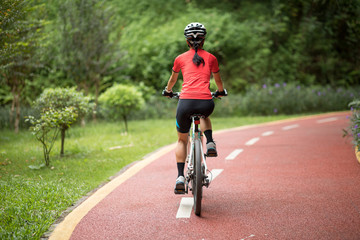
(295, 179)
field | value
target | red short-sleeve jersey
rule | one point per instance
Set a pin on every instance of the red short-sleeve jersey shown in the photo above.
(196, 83)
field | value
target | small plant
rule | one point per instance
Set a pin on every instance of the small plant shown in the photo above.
(120, 100)
(354, 128)
(49, 125)
(59, 99)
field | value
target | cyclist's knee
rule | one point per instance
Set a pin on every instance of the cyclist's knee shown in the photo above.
(183, 137)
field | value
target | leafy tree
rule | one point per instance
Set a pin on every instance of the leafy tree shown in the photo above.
(321, 39)
(49, 125)
(18, 44)
(120, 100)
(87, 46)
(309, 42)
(59, 99)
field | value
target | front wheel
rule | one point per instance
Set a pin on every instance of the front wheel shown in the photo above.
(198, 177)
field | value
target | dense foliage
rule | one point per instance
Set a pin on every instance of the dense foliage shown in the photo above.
(354, 128)
(95, 44)
(19, 40)
(309, 42)
(265, 100)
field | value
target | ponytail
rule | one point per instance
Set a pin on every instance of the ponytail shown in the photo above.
(197, 60)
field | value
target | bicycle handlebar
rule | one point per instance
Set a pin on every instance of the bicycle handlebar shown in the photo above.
(170, 94)
(216, 94)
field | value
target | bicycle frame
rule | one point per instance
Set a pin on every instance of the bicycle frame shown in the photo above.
(196, 161)
(195, 134)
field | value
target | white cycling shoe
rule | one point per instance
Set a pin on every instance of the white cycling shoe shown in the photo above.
(180, 185)
(211, 149)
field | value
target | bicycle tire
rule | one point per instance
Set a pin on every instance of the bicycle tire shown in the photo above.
(198, 178)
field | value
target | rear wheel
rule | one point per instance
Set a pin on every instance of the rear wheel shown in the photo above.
(198, 178)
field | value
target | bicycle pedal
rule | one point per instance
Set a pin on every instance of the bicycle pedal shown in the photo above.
(182, 191)
(211, 154)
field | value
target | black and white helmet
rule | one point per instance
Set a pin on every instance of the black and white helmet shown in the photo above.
(195, 31)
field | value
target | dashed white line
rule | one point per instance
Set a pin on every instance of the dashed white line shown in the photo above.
(252, 235)
(234, 154)
(290, 127)
(252, 141)
(268, 133)
(325, 120)
(185, 208)
(187, 203)
(214, 173)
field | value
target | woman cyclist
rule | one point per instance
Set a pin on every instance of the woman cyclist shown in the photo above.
(196, 66)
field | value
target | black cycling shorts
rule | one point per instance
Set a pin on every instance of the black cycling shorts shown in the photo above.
(188, 107)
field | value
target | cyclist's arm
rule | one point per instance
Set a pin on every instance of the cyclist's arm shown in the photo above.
(218, 81)
(172, 80)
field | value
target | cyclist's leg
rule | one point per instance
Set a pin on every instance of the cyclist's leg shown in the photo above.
(207, 129)
(205, 124)
(183, 123)
(181, 147)
(180, 154)
(210, 144)
(208, 107)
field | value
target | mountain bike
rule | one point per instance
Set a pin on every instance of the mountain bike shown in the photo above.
(196, 176)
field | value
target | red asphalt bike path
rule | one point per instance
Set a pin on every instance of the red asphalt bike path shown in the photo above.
(302, 181)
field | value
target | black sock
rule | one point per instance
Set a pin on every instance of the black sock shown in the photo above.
(180, 167)
(208, 134)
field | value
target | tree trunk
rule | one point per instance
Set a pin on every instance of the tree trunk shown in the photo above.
(83, 122)
(17, 118)
(94, 113)
(62, 142)
(126, 125)
(97, 86)
(46, 155)
(12, 110)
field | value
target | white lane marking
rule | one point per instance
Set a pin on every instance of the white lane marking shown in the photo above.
(325, 120)
(214, 173)
(268, 133)
(187, 203)
(234, 154)
(290, 127)
(252, 141)
(252, 235)
(185, 208)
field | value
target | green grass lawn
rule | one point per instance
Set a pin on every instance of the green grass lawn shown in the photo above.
(32, 199)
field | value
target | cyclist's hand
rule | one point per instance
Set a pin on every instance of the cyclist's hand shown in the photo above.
(220, 94)
(167, 93)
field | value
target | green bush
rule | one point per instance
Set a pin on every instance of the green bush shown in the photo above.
(354, 128)
(59, 101)
(120, 100)
(49, 125)
(157, 107)
(59, 98)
